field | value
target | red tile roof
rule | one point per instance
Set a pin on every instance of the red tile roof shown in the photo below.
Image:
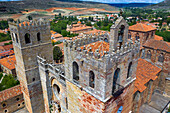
(5, 53)
(80, 28)
(10, 93)
(158, 37)
(100, 45)
(145, 71)
(2, 43)
(8, 62)
(96, 32)
(141, 27)
(156, 44)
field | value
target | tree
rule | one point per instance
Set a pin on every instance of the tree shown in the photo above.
(64, 33)
(57, 53)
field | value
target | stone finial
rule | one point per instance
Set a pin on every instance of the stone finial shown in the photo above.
(121, 12)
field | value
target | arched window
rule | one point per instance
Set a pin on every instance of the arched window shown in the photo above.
(91, 79)
(161, 58)
(136, 99)
(27, 38)
(129, 74)
(38, 36)
(121, 35)
(56, 90)
(115, 79)
(13, 37)
(75, 72)
(137, 36)
(106, 40)
(16, 37)
(148, 54)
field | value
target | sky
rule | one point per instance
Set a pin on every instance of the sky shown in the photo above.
(115, 1)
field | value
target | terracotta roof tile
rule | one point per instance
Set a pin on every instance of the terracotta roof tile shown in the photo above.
(100, 45)
(141, 27)
(5, 53)
(145, 72)
(158, 37)
(156, 44)
(96, 32)
(8, 62)
(80, 28)
(10, 93)
(2, 43)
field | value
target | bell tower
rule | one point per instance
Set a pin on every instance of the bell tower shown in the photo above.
(29, 40)
(119, 34)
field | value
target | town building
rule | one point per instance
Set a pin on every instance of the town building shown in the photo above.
(121, 74)
(7, 65)
(11, 100)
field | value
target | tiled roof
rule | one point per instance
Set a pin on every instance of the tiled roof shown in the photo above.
(5, 53)
(145, 72)
(10, 93)
(96, 32)
(2, 43)
(8, 62)
(141, 27)
(80, 28)
(156, 44)
(8, 47)
(100, 45)
(158, 37)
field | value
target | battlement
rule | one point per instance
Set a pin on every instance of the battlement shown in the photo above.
(78, 47)
(38, 24)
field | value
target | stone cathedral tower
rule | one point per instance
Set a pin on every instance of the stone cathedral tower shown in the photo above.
(29, 40)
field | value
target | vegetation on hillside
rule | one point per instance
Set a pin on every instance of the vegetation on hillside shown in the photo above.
(8, 82)
(164, 34)
(59, 24)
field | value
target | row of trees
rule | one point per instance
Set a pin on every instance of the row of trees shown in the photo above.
(5, 37)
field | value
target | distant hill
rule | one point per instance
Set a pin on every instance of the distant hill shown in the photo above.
(162, 5)
(17, 6)
(130, 4)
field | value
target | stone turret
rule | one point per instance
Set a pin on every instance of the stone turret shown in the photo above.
(30, 39)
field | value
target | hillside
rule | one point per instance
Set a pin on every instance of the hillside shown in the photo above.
(17, 6)
(162, 5)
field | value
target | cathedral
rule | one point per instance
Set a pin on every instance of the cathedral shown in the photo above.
(116, 72)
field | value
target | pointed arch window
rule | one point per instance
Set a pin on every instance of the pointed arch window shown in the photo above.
(129, 74)
(75, 72)
(161, 58)
(38, 36)
(16, 37)
(115, 80)
(148, 56)
(91, 79)
(56, 90)
(27, 38)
